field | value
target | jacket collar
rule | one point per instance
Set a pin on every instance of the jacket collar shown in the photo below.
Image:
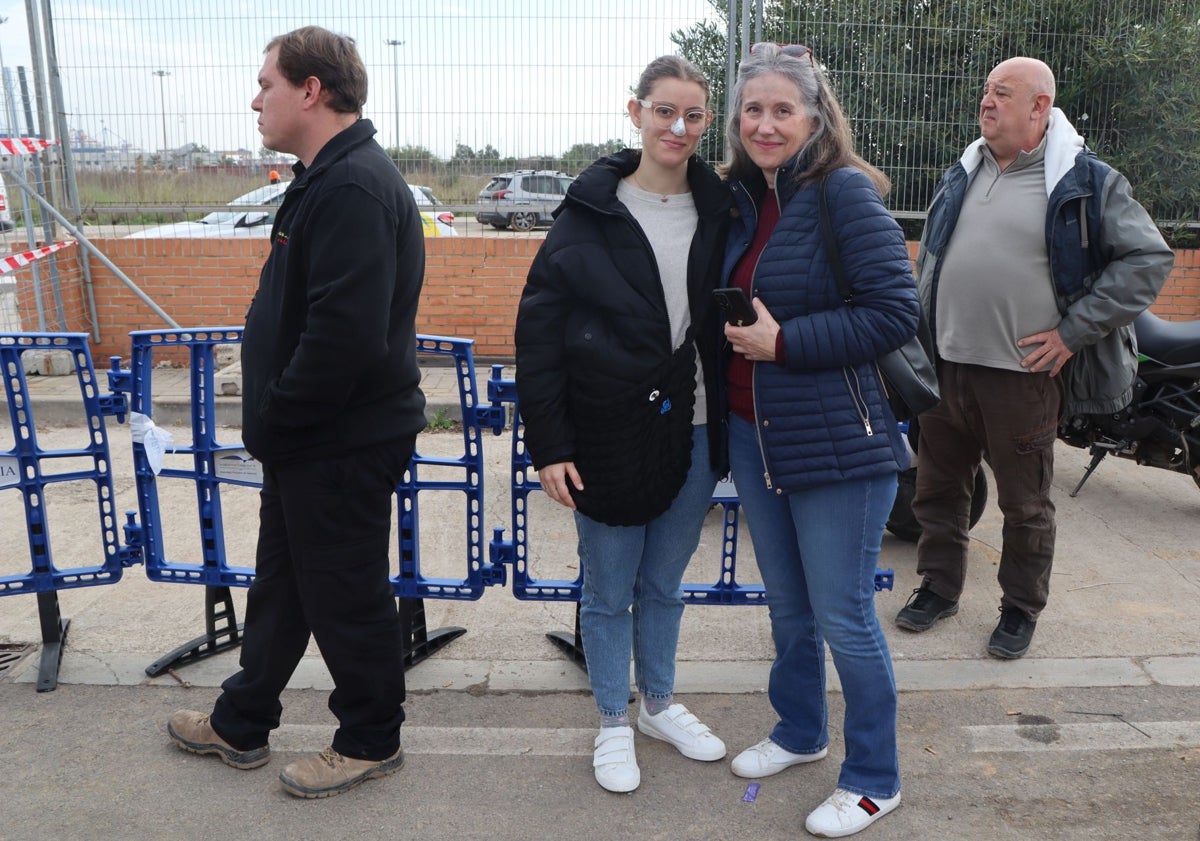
(596, 186)
(338, 146)
(1063, 145)
(755, 184)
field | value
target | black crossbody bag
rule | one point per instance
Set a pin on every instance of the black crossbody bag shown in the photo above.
(909, 380)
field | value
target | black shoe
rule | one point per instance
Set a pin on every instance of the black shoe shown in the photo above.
(1012, 636)
(923, 609)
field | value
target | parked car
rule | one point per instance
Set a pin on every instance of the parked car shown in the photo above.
(522, 200)
(425, 199)
(252, 215)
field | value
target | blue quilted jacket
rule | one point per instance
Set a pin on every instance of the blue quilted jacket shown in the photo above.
(821, 415)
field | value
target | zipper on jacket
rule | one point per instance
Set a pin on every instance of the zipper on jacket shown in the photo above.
(860, 405)
(762, 451)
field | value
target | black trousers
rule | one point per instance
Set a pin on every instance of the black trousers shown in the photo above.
(322, 569)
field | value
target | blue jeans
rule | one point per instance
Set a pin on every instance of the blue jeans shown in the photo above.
(640, 567)
(817, 550)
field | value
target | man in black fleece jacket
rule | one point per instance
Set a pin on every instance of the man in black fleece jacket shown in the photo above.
(331, 410)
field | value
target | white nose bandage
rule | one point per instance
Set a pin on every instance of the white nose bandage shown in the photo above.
(677, 128)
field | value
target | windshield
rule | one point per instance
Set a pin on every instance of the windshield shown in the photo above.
(270, 194)
(220, 218)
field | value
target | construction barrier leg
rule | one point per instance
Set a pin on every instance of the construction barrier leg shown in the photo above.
(572, 644)
(418, 642)
(223, 633)
(54, 637)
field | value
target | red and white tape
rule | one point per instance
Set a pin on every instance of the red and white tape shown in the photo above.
(19, 261)
(24, 145)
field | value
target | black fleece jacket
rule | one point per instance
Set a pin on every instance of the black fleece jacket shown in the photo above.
(329, 351)
(593, 317)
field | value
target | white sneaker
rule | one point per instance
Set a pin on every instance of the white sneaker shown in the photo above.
(845, 813)
(767, 758)
(614, 761)
(688, 734)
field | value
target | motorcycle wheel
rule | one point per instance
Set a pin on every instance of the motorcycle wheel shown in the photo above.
(904, 525)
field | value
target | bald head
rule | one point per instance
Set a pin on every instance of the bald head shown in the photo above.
(1035, 74)
(1015, 108)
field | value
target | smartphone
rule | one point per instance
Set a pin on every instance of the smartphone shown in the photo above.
(738, 309)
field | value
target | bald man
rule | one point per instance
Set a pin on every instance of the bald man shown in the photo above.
(1034, 261)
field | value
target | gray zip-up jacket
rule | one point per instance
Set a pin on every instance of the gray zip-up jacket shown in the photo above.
(1104, 271)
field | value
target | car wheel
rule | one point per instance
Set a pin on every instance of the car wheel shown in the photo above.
(904, 525)
(524, 221)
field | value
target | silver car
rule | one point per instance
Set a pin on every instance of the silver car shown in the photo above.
(522, 200)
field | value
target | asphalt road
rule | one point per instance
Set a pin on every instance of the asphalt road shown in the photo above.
(93, 762)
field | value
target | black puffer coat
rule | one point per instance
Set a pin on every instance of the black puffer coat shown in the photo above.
(593, 317)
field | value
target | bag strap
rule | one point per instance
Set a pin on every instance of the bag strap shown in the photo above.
(831, 246)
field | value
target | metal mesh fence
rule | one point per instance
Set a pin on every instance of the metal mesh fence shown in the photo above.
(155, 119)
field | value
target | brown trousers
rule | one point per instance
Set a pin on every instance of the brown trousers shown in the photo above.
(1009, 418)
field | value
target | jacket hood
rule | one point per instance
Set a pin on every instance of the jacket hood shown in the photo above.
(1063, 144)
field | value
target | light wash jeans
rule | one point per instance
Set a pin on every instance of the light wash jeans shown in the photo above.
(817, 550)
(640, 567)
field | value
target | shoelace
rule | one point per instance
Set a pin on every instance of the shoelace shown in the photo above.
(331, 757)
(1011, 620)
(920, 599)
(843, 800)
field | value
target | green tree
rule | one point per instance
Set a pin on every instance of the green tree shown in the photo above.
(582, 154)
(413, 158)
(909, 73)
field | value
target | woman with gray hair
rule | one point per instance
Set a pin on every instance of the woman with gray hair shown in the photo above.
(813, 445)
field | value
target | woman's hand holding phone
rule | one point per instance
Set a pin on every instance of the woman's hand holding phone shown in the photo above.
(755, 340)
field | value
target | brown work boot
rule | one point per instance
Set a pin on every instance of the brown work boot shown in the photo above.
(193, 732)
(329, 773)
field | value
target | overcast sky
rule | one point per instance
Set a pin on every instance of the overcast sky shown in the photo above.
(527, 76)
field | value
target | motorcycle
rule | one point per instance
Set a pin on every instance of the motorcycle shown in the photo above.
(1161, 425)
(1159, 428)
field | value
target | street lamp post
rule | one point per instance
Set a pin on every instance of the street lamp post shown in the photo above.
(162, 98)
(396, 88)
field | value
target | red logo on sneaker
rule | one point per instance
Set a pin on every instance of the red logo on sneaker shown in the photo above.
(867, 805)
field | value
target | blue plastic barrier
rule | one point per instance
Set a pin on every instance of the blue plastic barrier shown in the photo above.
(30, 470)
(212, 465)
(725, 591)
(215, 464)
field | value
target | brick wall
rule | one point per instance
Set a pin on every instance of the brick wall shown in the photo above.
(472, 286)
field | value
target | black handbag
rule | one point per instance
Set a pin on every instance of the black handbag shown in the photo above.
(909, 380)
(633, 450)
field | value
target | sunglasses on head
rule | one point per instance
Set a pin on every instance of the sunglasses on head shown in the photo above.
(791, 50)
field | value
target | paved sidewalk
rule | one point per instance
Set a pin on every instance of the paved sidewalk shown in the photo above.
(1094, 735)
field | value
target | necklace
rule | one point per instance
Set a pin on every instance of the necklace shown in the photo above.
(662, 197)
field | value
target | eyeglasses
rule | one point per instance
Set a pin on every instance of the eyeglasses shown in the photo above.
(791, 50)
(665, 115)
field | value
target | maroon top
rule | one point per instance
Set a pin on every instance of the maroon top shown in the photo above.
(740, 374)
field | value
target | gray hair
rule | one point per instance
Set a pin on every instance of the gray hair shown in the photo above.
(831, 145)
